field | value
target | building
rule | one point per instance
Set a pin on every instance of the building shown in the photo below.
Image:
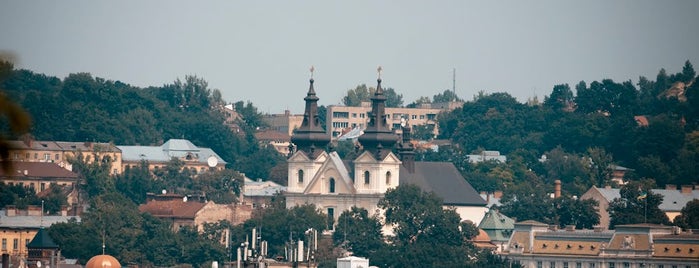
(498, 227)
(486, 156)
(334, 185)
(339, 117)
(535, 245)
(673, 200)
(181, 212)
(232, 118)
(19, 227)
(279, 140)
(62, 152)
(285, 123)
(259, 193)
(39, 175)
(197, 159)
(42, 249)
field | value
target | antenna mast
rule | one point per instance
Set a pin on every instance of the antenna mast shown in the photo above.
(453, 85)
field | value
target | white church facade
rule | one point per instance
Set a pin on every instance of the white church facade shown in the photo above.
(334, 185)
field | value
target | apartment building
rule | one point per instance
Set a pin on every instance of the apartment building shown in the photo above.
(340, 119)
(60, 152)
(285, 123)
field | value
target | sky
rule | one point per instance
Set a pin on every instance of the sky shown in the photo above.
(261, 51)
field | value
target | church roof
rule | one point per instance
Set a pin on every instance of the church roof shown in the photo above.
(42, 240)
(443, 179)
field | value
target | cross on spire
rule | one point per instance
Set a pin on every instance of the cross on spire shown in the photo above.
(312, 69)
(378, 70)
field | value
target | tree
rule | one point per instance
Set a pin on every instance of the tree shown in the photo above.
(446, 96)
(359, 233)
(689, 216)
(688, 72)
(638, 204)
(574, 211)
(17, 119)
(425, 234)
(55, 199)
(417, 103)
(560, 98)
(362, 93)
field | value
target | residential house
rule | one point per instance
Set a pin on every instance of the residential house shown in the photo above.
(179, 211)
(279, 140)
(259, 193)
(673, 199)
(197, 159)
(535, 245)
(63, 152)
(40, 176)
(19, 227)
(285, 123)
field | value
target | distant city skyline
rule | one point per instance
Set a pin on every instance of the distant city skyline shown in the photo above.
(262, 51)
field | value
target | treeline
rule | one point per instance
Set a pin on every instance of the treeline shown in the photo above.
(81, 107)
(650, 127)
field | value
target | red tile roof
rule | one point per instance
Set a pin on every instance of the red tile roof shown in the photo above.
(171, 208)
(38, 170)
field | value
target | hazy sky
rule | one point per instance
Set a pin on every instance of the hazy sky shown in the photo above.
(261, 51)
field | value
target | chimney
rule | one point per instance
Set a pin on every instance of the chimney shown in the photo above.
(557, 189)
(607, 187)
(670, 187)
(497, 194)
(686, 189)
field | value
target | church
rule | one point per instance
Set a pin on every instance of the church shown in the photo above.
(320, 177)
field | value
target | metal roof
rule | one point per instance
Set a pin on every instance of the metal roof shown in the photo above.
(445, 180)
(172, 148)
(31, 221)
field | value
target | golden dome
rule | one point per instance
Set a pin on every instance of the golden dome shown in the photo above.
(102, 261)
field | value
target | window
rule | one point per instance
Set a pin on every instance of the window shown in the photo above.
(388, 178)
(552, 264)
(592, 265)
(300, 176)
(396, 116)
(422, 117)
(362, 115)
(36, 155)
(578, 265)
(340, 124)
(28, 155)
(354, 115)
(331, 185)
(26, 242)
(4, 244)
(16, 156)
(396, 126)
(43, 186)
(367, 178)
(47, 156)
(331, 218)
(539, 264)
(431, 116)
(661, 266)
(57, 156)
(565, 265)
(341, 114)
(15, 244)
(413, 117)
(627, 265)
(611, 265)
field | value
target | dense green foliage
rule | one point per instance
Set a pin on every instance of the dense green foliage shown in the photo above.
(597, 123)
(425, 234)
(361, 93)
(85, 108)
(689, 216)
(638, 204)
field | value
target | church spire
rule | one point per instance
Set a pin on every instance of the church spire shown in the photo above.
(378, 138)
(310, 136)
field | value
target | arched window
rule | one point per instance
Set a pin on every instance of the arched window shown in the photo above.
(332, 185)
(300, 176)
(366, 177)
(388, 178)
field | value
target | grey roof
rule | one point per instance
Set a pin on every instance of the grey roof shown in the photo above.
(31, 221)
(172, 148)
(673, 200)
(261, 188)
(443, 179)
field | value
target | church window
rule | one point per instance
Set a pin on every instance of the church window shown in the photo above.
(388, 178)
(300, 176)
(332, 185)
(331, 217)
(366, 177)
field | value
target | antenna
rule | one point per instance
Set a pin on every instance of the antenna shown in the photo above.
(41, 223)
(453, 85)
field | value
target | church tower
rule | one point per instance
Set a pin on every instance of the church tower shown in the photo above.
(376, 168)
(310, 141)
